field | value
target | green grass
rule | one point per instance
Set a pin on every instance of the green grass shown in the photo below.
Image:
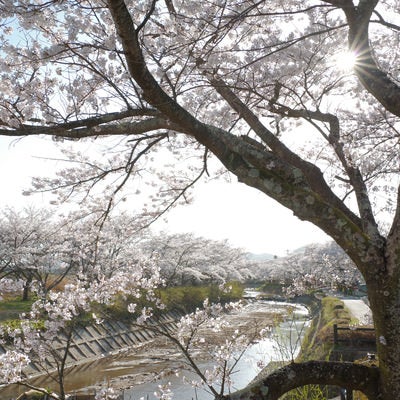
(188, 298)
(12, 307)
(183, 298)
(318, 342)
(178, 298)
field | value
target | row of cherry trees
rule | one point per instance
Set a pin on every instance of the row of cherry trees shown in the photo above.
(38, 248)
(318, 266)
(78, 270)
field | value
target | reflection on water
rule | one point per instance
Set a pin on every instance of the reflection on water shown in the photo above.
(145, 362)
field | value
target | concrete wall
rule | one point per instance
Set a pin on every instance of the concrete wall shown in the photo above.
(95, 341)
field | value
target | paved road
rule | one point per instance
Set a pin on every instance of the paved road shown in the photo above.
(358, 309)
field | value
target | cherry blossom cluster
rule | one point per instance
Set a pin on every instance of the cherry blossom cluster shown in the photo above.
(10, 286)
(12, 364)
(53, 318)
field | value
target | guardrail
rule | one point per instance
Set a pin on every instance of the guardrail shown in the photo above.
(354, 339)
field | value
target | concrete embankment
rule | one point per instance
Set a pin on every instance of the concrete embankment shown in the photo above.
(149, 356)
(95, 341)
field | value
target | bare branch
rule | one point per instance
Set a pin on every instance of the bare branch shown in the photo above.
(147, 17)
(383, 22)
(340, 3)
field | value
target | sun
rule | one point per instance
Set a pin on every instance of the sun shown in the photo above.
(345, 60)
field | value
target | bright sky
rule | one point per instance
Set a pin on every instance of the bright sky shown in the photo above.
(245, 216)
(233, 211)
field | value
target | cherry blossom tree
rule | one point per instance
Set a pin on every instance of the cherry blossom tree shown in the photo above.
(318, 266)
(103, 247)
(35, 249)
(186, 259)
(47, 332)
(41, 248)
(261, 87)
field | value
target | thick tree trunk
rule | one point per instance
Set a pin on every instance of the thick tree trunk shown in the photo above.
(384, 296)
(269, 166)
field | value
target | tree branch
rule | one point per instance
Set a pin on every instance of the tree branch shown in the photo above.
(292, 181)
(312, 174)
(340, 3)
(383, 22)
(152, 92)
(353, 172)
(375, 81)
(122, 128)
(69, 129)
(343, 374)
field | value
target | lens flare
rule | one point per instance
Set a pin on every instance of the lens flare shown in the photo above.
(345, 60)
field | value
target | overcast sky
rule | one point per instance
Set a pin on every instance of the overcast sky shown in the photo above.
(233, 211)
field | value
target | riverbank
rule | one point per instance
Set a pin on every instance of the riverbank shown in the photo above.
(319, 342)
(311, 301)
(314, 307)
(254, 317)
(144, 363)
(257, 354)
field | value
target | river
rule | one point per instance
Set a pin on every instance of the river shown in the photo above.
(283, 344)
(135, 372)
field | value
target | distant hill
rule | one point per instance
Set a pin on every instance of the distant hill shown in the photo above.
(302, 249)
(260, 256)
(269, 256)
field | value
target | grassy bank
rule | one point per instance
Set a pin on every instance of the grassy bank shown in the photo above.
(12, 307)
(318, 344)
(318, 341)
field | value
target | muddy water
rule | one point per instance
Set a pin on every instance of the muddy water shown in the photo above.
(137, 372)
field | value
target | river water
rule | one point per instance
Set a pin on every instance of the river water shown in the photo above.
(283, 345)
(134, 372)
